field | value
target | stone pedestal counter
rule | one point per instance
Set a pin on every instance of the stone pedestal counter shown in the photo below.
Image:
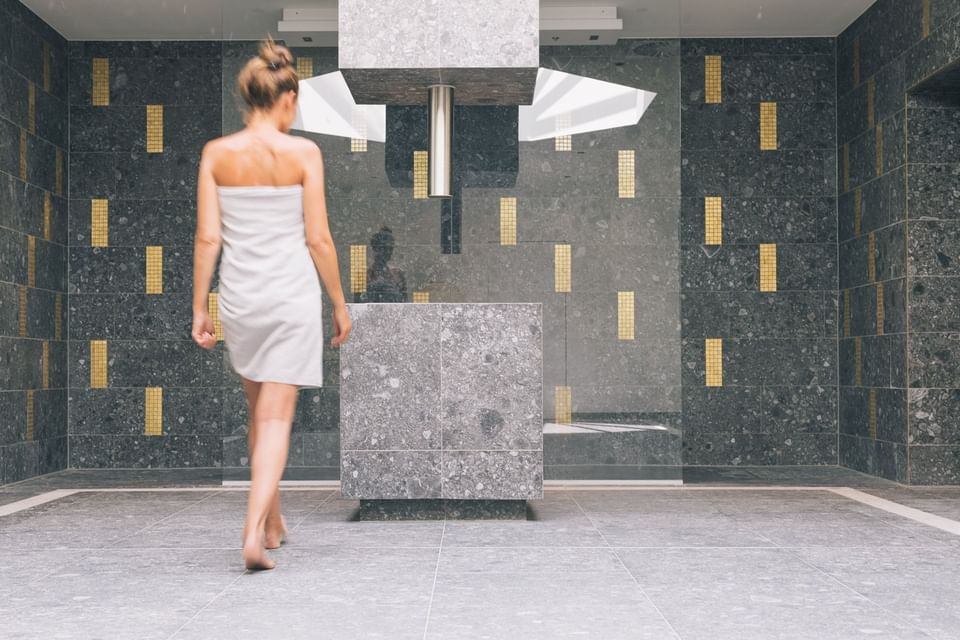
(442, 403)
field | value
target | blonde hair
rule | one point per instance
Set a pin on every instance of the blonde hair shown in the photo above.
(267, 76)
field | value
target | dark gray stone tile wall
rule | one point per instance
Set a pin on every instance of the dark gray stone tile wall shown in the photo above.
(778, 402)
(895, 418)
(150, 202)
(33, 210)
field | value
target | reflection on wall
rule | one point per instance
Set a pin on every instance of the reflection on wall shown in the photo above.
(575, 227)
(33, 239)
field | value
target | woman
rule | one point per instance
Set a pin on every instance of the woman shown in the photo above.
(260, 195)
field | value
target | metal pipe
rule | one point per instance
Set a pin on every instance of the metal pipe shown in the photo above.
(441, 141)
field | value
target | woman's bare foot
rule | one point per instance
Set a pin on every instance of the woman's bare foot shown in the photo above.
(275, 536)
(255, 557)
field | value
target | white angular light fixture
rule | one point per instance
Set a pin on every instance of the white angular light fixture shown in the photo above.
(565, 104)
(326, 106)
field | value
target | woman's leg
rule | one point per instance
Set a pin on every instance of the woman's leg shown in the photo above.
(276, 527)
(272, 420)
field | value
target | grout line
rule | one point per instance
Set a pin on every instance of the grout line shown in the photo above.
(613, 550)
(204, 607)
(829, 576)
(433, 590)
(164, 519)
(313, 511)
(929, 519)
(35, 501)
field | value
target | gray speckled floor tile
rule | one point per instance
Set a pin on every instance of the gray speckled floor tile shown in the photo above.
(911, 583)
(78, 621)
(115, 579)
(756, 594)
(331, 621)
(676, 530)
(345, 576)
(609, 605)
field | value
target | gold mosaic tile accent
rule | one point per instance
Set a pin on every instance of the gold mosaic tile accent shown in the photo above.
(47, 67)
(626, 173)
(847, 313)
(59, 172)
(879, 150)
(58, 317)
(154, 128)
(421, 297)
(153, 411)
(508, 221)
(713, 79)
(45, 364)
(22, 312)
(880, 309)
(155, 270)
(98, 364)
(31, 107)
(858, 361)
(99, 227)
(101, 82)
(871, 98)
(304, 67)
(47, 215)
(925, 17)
(872, 257)
(626, 316)
(713, 220)
(856, 61)
(857, 211)
(31, 261)
(563, 143)
(768, 126)
(563, 404)
(23, 154)
(358, 268)
(358, 145)
(421, 172)
(768, 268)
(561, 268)
(872, 412)
(713, 348)
(213, 309)
(31, 416)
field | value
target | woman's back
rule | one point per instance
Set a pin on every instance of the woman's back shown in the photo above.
(259, 157)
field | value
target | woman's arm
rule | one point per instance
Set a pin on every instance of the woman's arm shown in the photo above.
(206, 250)
(320, 242)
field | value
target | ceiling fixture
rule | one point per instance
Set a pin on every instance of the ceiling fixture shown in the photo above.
(316, 27)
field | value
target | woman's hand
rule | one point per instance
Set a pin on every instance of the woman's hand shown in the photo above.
(202, 331)
(342, 325)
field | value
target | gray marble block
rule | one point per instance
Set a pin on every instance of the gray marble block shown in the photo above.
(487, 49)
(442, 401)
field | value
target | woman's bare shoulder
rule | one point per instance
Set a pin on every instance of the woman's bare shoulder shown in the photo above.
(302, 146)
(224, 143)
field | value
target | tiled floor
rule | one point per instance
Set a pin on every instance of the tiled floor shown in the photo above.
(703, 562)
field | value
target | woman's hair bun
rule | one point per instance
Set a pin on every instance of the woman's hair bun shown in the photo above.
(276, 56)
(267, 76)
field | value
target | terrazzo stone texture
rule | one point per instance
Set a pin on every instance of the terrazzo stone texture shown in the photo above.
(487, 49)
(778, 402)
(442, 401)
(442, 509)
(41, 448)
(907, 193)
(713, 563)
